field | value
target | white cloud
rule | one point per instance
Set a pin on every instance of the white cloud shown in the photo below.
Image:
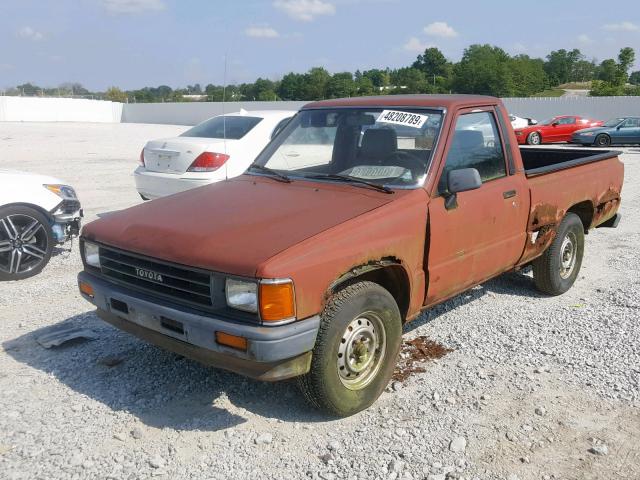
(305, 10)
(261, 32)
(621, 27)
(30, 34)
(584, 39)
(415, 45)
(440, 29)
(132, 6)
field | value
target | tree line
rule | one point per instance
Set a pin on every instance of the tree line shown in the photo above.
(483, 69)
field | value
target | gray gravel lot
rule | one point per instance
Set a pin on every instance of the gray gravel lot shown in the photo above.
(535, 387)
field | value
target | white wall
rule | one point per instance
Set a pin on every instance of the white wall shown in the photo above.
(192, 113)
(35, 109)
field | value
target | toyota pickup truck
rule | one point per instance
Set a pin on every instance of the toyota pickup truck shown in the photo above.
(358, 216)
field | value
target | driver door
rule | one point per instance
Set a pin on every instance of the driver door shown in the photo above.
(484, 233)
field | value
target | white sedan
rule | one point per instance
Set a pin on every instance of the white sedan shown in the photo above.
(36, 213)
(216, 149)
(520, 122)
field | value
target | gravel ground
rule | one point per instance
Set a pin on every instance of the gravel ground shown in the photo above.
(534, 388)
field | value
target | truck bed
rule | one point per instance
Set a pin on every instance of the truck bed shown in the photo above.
(539, 161)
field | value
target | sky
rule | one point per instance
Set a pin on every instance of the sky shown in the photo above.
(137, 43)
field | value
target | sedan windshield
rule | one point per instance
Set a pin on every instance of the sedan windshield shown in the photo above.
(391, 147)
(613, 122)
(230, 127)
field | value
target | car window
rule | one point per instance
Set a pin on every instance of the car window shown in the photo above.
(230, 127)
(392, 147)
(476, 144)
(631, 123)
(567, 121)
(281, 124)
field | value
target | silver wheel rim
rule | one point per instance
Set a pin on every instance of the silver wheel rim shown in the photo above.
(568, 255)
(535, 139)
(23, 244)
(361, 351)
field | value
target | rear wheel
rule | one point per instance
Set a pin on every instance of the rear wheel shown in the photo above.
(534, 138)
(603, 140)
(356, 350)
(26, 242)
(556, 270)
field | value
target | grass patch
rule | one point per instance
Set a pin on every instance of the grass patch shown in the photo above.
(551, 92)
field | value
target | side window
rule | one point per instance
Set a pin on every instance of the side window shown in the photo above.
(475, 144)
(567, 121)
(631, 123)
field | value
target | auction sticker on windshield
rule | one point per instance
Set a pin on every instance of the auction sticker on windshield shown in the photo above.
(407, 119)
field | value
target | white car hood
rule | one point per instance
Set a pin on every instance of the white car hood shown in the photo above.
(28, 178)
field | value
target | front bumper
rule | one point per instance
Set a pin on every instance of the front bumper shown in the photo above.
(273, 353)
(67, 220)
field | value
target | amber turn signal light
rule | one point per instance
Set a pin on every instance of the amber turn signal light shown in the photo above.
(233, 341)
(87, 289)
(277, 300)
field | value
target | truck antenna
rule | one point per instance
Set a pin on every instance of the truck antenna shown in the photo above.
(224, 118)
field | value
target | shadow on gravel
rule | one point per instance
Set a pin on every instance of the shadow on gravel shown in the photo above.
(512, 283)
(160, 388)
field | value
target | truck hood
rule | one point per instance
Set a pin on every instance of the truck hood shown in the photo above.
(235, 225)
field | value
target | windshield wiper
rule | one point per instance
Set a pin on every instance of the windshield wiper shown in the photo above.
(281, 177)
(347, 178)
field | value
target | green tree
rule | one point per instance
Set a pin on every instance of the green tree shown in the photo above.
(634, 78)
(560, 65)
(316, 82)
(528, 75)
(626, 57)
(341, 85)
(408, 80)
(115, 95)
(484, 69)
(291, 86)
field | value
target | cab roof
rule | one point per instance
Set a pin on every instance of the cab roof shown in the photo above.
(434, 101)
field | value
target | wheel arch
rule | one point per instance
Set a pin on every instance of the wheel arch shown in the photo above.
(30, 205)
(585, 211)
(389, 273)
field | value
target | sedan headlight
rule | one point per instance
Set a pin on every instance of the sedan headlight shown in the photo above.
(242, 295)
(63, 191)
(92, 254)
(587, 134)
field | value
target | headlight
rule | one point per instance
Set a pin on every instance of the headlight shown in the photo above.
(587, 134)
(242, 295)
(518, 132)
(92, 254)
(63, 191)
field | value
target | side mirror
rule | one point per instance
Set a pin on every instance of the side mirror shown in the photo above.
(554, 124)
(460, 180)
(531, 121)
(463, 179)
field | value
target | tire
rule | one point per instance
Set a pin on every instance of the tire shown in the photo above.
(602, 140)
(26, 242)
(360, 311)
(534, 138)
(556, 270)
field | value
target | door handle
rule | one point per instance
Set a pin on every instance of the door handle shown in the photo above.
(508, 194)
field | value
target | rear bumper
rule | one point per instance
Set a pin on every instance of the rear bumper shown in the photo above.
(154, 185)
(273, 353)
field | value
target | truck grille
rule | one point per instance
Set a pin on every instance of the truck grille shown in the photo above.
(177, 283)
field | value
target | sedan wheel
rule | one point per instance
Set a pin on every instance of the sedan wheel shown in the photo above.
(26, 242)
(534, 139)
(603, 140)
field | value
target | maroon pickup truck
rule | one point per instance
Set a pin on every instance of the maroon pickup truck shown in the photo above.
(360, 214)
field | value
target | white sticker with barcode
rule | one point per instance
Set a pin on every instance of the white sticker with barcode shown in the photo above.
(407, 119)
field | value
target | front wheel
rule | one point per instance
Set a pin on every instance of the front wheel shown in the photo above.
(603, 140)
(556, 270)
(26, 242)
(356, 350)
(534, 138)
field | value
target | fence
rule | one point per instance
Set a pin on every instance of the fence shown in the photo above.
(33, 109)
(190, 113)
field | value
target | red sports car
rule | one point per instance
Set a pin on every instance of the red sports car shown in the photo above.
(556, 129)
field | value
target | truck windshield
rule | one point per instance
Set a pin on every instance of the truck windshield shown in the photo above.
(391, 147)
